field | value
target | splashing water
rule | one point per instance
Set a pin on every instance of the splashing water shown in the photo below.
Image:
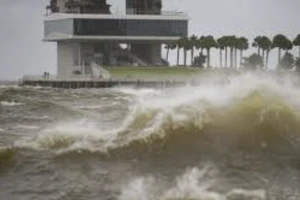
(195, 184)
(260, 105)
(6, 103)
(151, 144)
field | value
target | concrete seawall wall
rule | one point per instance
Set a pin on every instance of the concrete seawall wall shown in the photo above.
(74, 84)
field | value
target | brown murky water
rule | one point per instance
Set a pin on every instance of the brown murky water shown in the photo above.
(234, 141)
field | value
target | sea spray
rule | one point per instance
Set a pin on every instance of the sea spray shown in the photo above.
(153, 144)
(195, 184)
(9, 104)
(157, 118)
(6, 156)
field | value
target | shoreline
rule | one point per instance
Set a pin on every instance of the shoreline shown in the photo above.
(74, 84)
(153, 81)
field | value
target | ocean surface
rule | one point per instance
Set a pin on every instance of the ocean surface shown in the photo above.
(229, 139)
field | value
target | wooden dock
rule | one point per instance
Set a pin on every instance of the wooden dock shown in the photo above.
(74, 84)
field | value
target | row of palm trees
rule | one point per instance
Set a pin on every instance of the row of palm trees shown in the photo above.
(231, 45)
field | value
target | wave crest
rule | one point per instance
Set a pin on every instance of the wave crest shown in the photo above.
(254, 122)
(249, 118)
(194, 184)
(6, 156)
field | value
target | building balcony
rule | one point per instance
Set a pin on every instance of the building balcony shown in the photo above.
(170, 26)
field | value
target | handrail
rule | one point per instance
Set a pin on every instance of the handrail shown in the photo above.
(173, 13)
(162, 13)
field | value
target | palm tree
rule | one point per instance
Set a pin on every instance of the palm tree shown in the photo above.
(253, 62)
(279, 41)
(257, 43)
(193, 40)
(186, 46)
(243, 45)
(199, 44)
(231, 42)
(288, 45)
(235, 46)
(227, 44)
(297, 64)
(169, 46)
(208, 43)
(287, 62)
(266, 46)
(179, 45)
(222, 45)
(297, 42)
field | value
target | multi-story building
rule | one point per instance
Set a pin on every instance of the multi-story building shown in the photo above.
(88, 33)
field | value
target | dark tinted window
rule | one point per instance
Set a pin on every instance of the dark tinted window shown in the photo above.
(118, 27)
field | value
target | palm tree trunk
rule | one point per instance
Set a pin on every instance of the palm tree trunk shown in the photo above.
(263, 55)
(192, 56)
(235, 57)
(299, 52)
(184, 57)
(221, 58)
(267, 58)
(167, 54)
(241, 58)
(178, 53)
(231, 57)
(208, 57)
(233, 63)
(258, 51)
(226, 57)
(279, 55)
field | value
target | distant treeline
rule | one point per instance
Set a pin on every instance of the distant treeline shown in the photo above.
(231, 45)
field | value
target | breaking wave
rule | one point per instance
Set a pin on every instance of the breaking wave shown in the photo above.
(6, 103)
(195, 184)
(6, 156)
(248, 113)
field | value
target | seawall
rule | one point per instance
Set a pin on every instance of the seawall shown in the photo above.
(74, 84)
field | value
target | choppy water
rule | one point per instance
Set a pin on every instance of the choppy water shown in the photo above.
(224, 140)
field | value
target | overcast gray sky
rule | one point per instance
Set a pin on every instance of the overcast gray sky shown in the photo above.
(21, 27)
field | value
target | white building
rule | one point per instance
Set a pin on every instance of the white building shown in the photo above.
(88, 35)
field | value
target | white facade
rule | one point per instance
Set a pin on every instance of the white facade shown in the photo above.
(75, 57)
(87, 40)
(64, 59)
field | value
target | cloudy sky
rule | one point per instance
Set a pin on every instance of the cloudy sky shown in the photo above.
(21, 27)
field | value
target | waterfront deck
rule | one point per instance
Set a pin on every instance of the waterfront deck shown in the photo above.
(92, 83)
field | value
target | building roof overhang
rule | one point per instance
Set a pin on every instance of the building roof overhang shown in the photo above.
(170, 16)
(56, 37)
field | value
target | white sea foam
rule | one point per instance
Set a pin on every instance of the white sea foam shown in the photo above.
(12, 86)
(138, 92)
(246, 194)
(10, 104)
(28, 127)
(74, 135)
(44, 117)
(195, 183)
(90, 107)
(159, 108)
